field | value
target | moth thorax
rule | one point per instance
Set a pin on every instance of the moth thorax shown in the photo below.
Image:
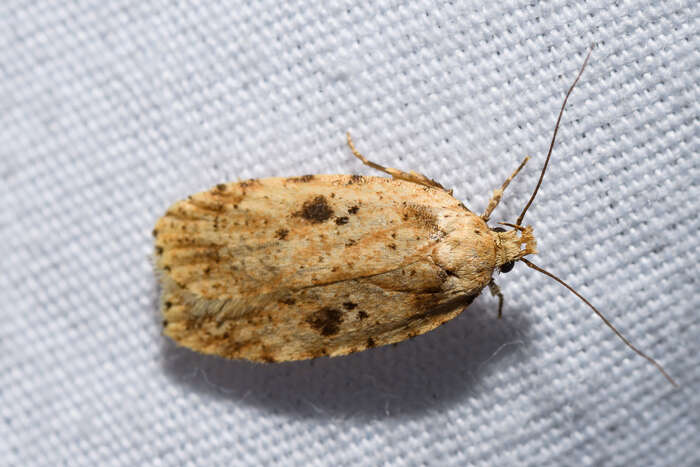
(509, 244)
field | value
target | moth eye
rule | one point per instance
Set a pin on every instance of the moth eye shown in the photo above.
(498, 229)
(507, 266)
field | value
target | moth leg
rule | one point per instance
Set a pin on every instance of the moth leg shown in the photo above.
(496, 292)
(413, 177)
(498, 193)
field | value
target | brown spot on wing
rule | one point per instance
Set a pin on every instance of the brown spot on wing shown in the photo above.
(302, 179)
(326, 321)
(249, 183)
(356, 179)
(422, 215)
(315, 210)
(341, 220)
(281, 234)
(353, 209)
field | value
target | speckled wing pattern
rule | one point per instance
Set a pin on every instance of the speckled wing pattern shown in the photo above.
(291, 268)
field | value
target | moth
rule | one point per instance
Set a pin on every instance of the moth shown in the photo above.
(282, 269)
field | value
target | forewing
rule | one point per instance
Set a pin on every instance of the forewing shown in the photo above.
(275, 269)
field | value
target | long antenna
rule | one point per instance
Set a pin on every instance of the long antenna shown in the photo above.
(605, 320)
(554, 137)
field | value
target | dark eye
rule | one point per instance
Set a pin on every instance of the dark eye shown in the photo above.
(498, 229)
(507, 266)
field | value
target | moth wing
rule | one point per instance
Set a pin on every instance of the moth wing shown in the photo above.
(275, 269)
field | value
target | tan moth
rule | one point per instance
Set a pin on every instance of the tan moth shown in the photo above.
(282, 269)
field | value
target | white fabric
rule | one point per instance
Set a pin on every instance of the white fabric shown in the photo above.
(110, 111)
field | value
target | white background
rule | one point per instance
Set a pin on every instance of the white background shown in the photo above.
(110, 113)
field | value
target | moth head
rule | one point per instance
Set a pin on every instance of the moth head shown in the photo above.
(512, 245)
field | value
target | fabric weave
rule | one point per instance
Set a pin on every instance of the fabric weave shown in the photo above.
(113, 110)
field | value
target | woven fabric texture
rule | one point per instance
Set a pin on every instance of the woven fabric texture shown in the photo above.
(110, 111)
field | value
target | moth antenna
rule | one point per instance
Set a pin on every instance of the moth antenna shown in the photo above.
(605, 320)
(554, 137)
